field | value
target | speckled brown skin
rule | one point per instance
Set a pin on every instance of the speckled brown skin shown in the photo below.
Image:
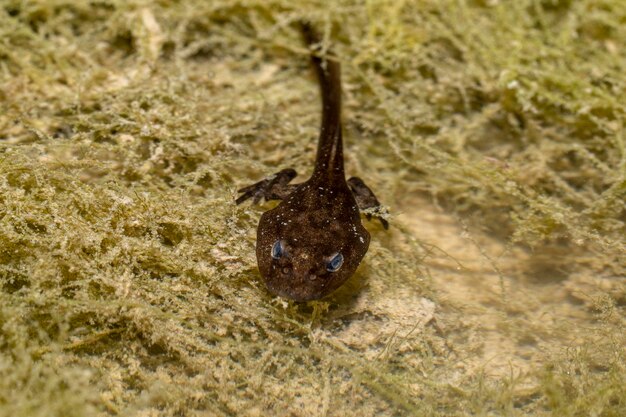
(316, 221)
(318, 218)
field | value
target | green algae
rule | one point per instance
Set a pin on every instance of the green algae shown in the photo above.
(129, 284)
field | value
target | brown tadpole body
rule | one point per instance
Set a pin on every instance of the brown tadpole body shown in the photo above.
(313, 241)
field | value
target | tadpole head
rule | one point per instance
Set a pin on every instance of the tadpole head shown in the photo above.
(305, 253)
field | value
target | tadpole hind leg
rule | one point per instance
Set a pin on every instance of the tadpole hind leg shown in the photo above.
(367, 201)
(274, 187)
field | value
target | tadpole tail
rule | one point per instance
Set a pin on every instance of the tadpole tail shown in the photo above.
(328, 70)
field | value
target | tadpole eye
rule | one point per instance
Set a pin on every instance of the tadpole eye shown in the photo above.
(277, 250)
(335, 262)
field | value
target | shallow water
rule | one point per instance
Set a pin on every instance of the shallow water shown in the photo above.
(509, 307)
(493, 130)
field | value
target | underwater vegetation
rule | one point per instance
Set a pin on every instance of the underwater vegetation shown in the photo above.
(493, 130)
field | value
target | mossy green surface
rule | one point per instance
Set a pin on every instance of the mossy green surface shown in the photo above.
(128, 283)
